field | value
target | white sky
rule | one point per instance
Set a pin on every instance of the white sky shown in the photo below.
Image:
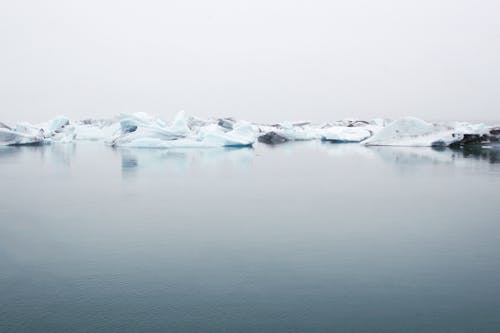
(256, 60)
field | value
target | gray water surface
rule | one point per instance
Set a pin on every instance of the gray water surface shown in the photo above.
(306, 237)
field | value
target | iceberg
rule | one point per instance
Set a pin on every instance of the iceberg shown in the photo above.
(298, 131)
(272, 138)
(58, 129)
(227, 123)
(414, 132)
(89, 133)
(342, 134)
(22, 134)
(144, 132)
(58, 123)
(342, 131)
(289, 131)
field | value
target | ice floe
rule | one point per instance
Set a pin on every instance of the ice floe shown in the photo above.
(289, 131)
(137, 131)
(21, 134)
(341, 134)
(143, 130)
(414, 132)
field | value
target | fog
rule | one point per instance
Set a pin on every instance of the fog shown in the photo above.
(255, 60)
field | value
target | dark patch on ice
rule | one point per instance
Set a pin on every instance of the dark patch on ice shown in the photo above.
(227, 123)
(338, 141)
(358, 123)
(490, 153)
(272, 138)
(471, 139)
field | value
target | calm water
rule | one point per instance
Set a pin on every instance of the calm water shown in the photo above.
(306, 237)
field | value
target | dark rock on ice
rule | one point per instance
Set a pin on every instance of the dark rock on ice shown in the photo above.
(272, 138)
(472, 139)
(357, 123)
(301, 123)
(227, 123)
(495, 134)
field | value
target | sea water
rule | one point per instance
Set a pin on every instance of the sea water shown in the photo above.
(304, 237)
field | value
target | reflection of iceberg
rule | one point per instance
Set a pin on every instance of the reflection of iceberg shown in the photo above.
(346, 150)
(129, 161)
(54, 155)
(181, 159)
(414, 156)
(413, 132)
(490, 153)
(8, 151)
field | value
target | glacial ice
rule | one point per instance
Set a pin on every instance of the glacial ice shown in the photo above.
(140, 132)
(340, 134)
(298, 132)
(414, 132)
(58, 123)
(21, 134)
(347, 130)
(146, 131)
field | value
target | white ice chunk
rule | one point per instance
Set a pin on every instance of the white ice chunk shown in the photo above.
(58, 123)
(89, 133)
(345, 134)
(143, 131)
(410, 131)
(293, 131)
(67, 135)
(21, 134)
(180, 124)
(215, 136)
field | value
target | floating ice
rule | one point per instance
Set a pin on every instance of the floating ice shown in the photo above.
(272, 138)
(410, 131)
(341, 134)
(58, 123)
(146, 131)
(139, 131)
(22, 134)
(300, 131)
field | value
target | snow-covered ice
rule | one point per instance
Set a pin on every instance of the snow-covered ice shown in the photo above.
(147, 131)
(139, 131)
(21, 134)
(345, 134)
(414, 132)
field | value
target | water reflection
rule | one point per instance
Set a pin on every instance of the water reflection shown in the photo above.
(329, 236)
(8, 152)
(182, 160)
(416, 155)
(490, 154)
(57, 154)
(346, 150)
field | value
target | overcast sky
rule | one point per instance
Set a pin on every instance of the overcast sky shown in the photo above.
(256, 60)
